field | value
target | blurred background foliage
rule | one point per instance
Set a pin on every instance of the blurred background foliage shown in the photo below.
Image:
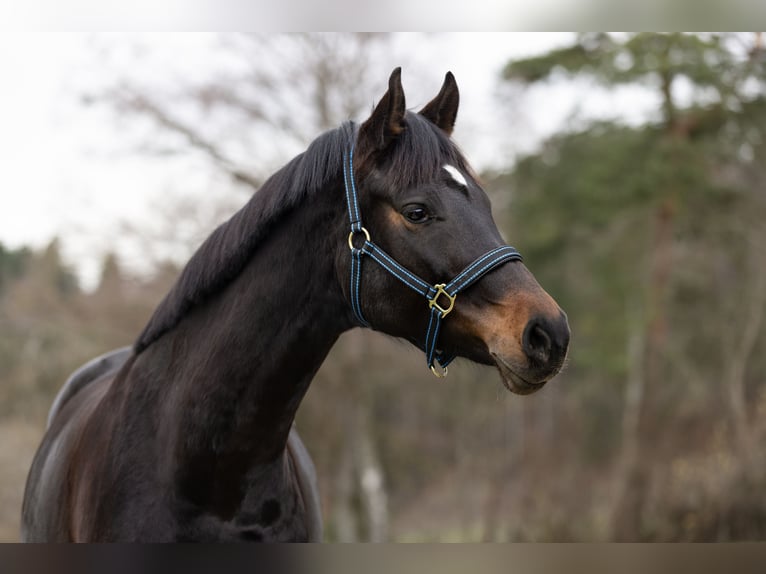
(652, 237)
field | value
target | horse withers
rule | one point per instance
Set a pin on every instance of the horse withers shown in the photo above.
(188, 434)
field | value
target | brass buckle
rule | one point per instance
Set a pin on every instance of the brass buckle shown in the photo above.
(351, 236)
(440, 291)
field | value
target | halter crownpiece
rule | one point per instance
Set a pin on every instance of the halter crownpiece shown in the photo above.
(440, 297)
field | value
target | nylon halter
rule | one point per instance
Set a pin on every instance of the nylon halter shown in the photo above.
(440, 297)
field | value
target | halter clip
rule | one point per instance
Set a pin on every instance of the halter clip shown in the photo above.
(434, 303)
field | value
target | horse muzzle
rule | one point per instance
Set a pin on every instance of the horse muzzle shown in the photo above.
(537, 357)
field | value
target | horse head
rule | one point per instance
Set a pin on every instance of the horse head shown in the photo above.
(425, 209)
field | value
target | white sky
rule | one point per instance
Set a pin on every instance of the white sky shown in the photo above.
(67, 170)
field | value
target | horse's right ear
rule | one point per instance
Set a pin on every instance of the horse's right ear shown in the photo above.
(387, 119)
(442, 110)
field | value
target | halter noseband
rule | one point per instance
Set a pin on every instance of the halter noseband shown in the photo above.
(441, 297)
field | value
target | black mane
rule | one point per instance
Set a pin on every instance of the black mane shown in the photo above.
(418, 155)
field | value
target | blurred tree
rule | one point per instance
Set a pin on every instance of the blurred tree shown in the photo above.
(43, 291)
(45, 280)
(634, 207)
(272, 97)
(12, 264)
(111, 276)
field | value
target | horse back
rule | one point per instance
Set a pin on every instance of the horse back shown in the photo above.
(45, 510)
(100, 367)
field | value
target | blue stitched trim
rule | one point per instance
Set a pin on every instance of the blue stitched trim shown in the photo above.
(357, 216)
(356, 273)
(396, 269)
(475, 263)
(428, 351)
(444, 360)
(348, 193)
(499, 259)
(436, 317)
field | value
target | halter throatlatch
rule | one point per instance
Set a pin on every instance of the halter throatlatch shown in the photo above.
(440, 297)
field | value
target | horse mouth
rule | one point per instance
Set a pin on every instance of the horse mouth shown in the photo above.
(513, 381)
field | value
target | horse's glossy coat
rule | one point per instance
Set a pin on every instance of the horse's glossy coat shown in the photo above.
(189, 435)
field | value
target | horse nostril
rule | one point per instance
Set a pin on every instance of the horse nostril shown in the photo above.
(537, 343)
(545, 341)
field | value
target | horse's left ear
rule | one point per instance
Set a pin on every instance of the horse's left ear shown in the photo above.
(442, 110)
(387, 119)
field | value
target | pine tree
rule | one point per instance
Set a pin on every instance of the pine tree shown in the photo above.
(621, 214)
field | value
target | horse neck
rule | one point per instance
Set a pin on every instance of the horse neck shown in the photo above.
(236, 368)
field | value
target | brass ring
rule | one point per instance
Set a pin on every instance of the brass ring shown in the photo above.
(351, 236)
(438, 375)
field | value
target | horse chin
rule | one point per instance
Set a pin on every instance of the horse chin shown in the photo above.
(513, 381)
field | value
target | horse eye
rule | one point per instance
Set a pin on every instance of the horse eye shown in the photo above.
(416, 214)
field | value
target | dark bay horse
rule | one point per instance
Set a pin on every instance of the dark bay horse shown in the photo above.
(188, 435)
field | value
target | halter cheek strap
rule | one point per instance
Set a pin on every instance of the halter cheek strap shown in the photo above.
(440, 297)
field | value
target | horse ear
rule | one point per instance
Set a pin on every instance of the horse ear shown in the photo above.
(442, 110)
(387, 119)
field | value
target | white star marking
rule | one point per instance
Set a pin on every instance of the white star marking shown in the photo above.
(456, 175)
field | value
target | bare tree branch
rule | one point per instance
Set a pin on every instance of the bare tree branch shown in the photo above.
(129, 99)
